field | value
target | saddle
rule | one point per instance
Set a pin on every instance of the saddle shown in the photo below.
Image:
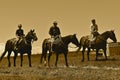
(93, 39)
(18, 42)
(92, 42)
(58, 45)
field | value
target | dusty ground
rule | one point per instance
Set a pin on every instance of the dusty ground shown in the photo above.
(77, 70)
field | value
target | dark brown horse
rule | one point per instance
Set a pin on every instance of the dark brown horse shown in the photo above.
(57, 48)
(100, 43)
(25, 46)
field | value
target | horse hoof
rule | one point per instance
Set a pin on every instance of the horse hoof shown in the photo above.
(55, 65)
(67, 65)
(82, 60)
(9, 65)
(45, 64)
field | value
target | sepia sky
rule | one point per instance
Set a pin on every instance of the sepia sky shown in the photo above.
(73, 16)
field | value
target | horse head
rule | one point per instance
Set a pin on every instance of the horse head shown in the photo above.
(74, 40)
(112, 36)
(31, 36)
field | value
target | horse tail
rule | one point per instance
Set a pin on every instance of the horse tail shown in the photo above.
(8, 46)
(79, 46)
(43, 55)
(44, 50)
(3, 54)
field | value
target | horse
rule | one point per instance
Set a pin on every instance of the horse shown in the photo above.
(25, 46)
(57, 48)
(99, 43)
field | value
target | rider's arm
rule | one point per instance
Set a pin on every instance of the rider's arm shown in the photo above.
(50, 31)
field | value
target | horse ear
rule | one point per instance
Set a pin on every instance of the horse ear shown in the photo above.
(113, 30)
(75, 35)
(33, 30)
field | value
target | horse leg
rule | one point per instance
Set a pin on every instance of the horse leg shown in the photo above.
(15, 56)
(65, 54)
(83, 54)
(21, 56)
(9, 63)
(29, 58)
(57, 54)
(97, 54)
(49, 58)
(41, 57)
(45, 61)
(88, 53)
(44, 56)
(105, 53)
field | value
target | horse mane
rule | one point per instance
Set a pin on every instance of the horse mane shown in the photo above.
(67, 37)
(104, 32)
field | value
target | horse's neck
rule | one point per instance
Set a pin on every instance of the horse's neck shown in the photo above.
(27, 40)
(104, 35)
(66, 40)
(23, 41)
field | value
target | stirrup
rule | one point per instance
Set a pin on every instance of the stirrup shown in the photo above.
(15, 48)
(89, 46)
(51, 51)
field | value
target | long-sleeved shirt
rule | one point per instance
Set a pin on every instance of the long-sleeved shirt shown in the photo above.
(94, 28)
(54, 30)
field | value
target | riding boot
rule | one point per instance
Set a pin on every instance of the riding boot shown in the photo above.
(51, 49)
(89, 45)
(17, 43)
(16, 48)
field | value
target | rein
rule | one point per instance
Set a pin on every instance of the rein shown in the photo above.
(27, 41)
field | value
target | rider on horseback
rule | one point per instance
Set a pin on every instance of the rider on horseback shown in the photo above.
(94, 32)
(19, 34)
(55, 34)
